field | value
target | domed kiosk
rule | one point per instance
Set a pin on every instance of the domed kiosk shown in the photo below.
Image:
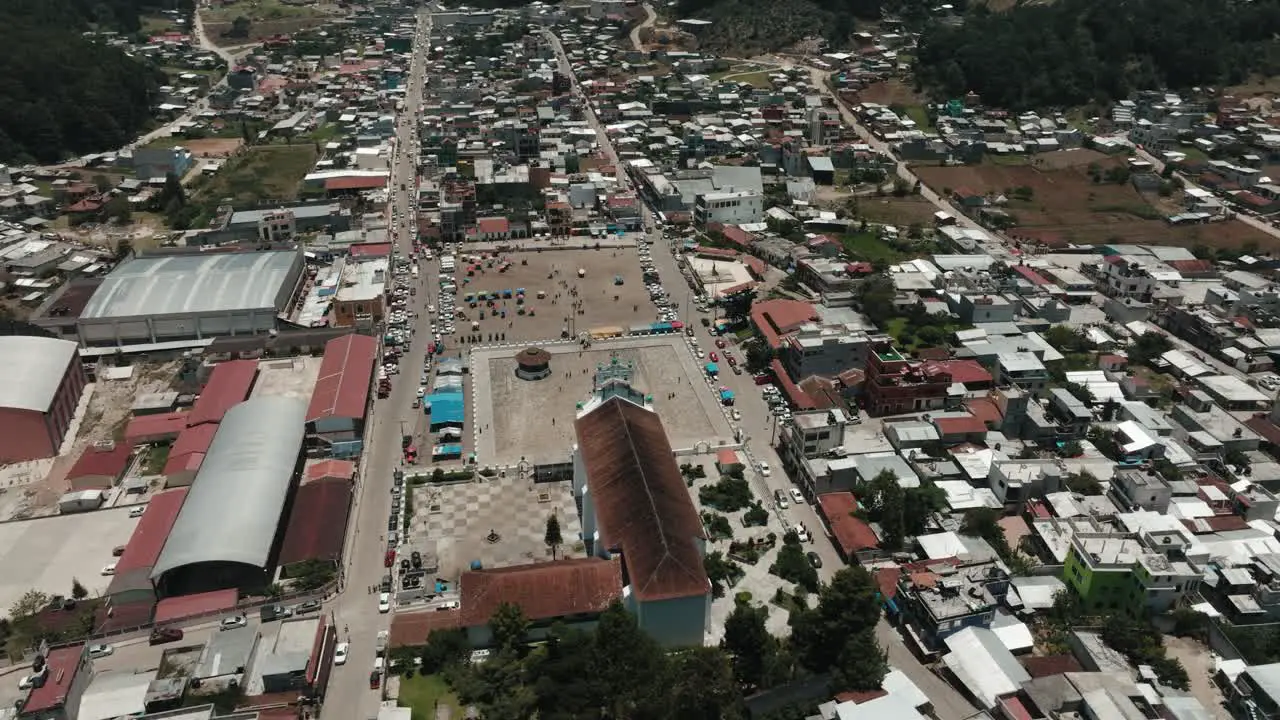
(533, 364)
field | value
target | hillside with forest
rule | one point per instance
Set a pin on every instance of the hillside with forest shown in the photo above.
(1073, 52)
(62, 93)
(748, 27)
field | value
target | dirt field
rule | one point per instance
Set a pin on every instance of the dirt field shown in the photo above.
(595, 294)
(1198, 661)
(213, 147)
(534, 419)
(1066, 205)
(890, 92)
(898, 211)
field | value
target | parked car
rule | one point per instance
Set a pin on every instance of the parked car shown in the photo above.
(447, 605)
(137, 512)
(100, 651)
(384, 602)
(797, 496)
(306, 607)
(340, 654)
(162, 635)
(375, 680)
(814, 560)
(109, 569)
(233, 622)
(781, 499)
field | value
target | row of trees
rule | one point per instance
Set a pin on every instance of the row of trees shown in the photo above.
(616, 670)
(1073, 52)
(62, 93)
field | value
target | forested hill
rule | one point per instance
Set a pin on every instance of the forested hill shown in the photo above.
(746, 27)
(1071, 52)
(61, 93)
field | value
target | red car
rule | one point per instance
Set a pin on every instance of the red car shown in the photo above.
(390, 559)
(732, 360)
(713, 357)
(761, 378)
(375, 680)
(721, 344)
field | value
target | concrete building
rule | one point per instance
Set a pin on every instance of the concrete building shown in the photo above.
(255, 458)
(40, 387)
(185, 296)
(735, 207)
(945, 599)
(1118, 571)
(897, 385)
(360, 299)
(635, 505)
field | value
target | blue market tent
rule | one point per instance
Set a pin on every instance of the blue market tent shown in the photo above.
(452, 450)
(445, 409)
(712, 369)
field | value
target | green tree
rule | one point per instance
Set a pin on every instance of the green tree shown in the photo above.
(720, 571)
(509, 626)
(846, 606)
(751, 648)
(985, 523)
(700, 686)
(792, 565)
(552, 538)
(1084, 483)
(565, 687)
(629, 663)
(118, 208)
(78, 590)
(311, 574)
(862, 664)
(102, 183)
(1148, 347)
(239, 27)
(445, 648)
(31, 602)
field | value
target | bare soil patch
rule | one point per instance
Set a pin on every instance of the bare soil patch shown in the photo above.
(213, 147)
(1067, 206)
(890, 92)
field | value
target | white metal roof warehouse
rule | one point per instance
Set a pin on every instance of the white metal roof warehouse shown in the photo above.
(33, 369)
(227, 529)
(171, 296)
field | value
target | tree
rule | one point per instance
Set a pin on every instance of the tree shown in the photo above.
(239, 27)
(312, 574)
(985, 523)
(565, 687)
(509, 626)
(31, 602)
(118, 208)
(862, 664)
(628, 662)
(701, 686)
(78, 590)
(750, 647)
(552, 537)
(720, 571)
(1070, 449)
(1083, 482)
(792, 566)
(846, 606)
(102, 183)
(1148, 347)
(445, 648)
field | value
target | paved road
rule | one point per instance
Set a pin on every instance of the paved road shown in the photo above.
(650, 17)
(356, 611)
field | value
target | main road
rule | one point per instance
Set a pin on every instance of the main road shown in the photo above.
(758, 427)
(355, 610)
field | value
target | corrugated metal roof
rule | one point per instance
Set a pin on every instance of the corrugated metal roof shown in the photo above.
(250, 466)
(641, 500)
(342, 389)
(318, 522)
(193, 283)
(229, 384)
(33, 370)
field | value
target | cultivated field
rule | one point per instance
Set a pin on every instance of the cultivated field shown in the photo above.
(203, 147)
(1067, 205)
(889, 92)
(896, 211)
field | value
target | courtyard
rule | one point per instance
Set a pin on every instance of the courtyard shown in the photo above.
(494, 522)
(519, 420)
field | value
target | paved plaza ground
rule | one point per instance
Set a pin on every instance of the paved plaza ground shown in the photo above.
(456, 520)
(595, 296)
(533, 420)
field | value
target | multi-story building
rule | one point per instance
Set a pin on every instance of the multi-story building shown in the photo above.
(1118, 571)
(278, 226)
(1141, 490)
(897, 385)
(1134, 276)
(1022, 369)
(734, 207)
(1071, 413)
(952, 598)
(360, 300)
(824, 351)
(986, 309)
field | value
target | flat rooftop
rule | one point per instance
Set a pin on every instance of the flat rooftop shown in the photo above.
(192, 283)
(287, 377)
(363, 280)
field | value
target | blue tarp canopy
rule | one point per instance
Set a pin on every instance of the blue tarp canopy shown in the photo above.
(450, 450)
(712, 369)
(726, 394)
(661, 327)
(446, 408)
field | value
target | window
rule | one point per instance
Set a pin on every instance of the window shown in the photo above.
(824, 435)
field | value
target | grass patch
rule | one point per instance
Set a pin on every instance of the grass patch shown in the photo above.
(271, 172)
(157, 24)
(423, 693)
(868, 246)
(156, 459)
(1013, 160)
(758, 79)
(327, 132)
(920, 117)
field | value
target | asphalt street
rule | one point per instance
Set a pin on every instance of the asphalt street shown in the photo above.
(349, 696)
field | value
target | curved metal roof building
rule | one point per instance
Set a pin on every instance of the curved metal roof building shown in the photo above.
(230, 522)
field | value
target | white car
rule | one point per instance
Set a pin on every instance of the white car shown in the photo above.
(100, 651)
(109, 569)
(235, 621)
(384, 602)
(737, 415)
(422, 391)
(340, 654)
(797, 496)
(802, 533)
(137, 512)
(447, 605)
(27, 682)
(764, 469)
